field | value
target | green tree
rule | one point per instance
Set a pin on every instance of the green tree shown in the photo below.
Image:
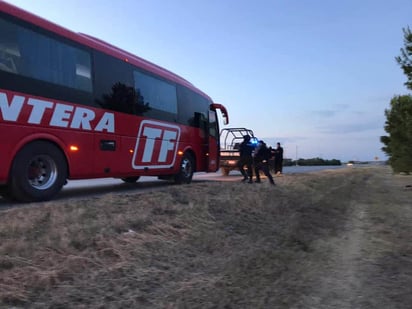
(398, 145)
(405, 59)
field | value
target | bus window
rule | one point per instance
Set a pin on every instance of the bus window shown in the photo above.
(190, 103)
(9, 52)
(125, 99)
(158, 94)
(31, 54)
(213, 125)
(200, 121)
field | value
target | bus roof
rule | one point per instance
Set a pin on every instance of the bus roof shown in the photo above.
(96, 44)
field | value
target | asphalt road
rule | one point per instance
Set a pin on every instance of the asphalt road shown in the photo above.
(96, 187)
(104, 185)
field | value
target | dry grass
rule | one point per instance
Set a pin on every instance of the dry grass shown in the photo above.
(324, 240)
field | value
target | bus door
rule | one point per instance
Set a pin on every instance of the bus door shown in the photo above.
(213, 143)
(213, 135)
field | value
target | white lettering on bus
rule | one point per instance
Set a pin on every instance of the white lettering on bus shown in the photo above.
(11, 112)
(106, 123)
(64, 115)
(156, 145)
(61, 115)
(37, 112)
(82, 118)
(167, 144)
(150, 134)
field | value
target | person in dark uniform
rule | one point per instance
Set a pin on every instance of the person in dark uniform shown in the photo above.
(278, 159)
(272, 159)
(261, 161)
(245, 153)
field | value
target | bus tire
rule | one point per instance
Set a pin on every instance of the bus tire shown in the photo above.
(187, 167)
(38, 172)
(131, 179)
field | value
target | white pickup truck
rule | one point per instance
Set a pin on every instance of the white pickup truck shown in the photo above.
(230, 139)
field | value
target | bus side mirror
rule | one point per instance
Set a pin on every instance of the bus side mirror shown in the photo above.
(223, 110)
(225, 119)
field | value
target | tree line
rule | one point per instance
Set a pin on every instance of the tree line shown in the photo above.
(398, 124)
(311, 162)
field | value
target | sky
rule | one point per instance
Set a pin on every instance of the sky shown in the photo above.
(314, 75)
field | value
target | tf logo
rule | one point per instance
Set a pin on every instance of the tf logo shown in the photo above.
(156, 145)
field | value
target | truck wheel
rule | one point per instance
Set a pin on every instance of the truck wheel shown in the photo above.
(185, 174)
(225, 171)
(131, 179)
(38, 173)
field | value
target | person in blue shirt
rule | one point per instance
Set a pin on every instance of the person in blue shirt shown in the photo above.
(246, 158)
(261, 161)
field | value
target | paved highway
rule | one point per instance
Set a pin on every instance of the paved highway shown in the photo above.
(96, 187)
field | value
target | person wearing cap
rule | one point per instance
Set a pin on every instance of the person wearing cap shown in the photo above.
(245, 158)
(261, 161)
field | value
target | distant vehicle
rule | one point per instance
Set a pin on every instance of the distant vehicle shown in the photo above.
(230, 139)
(75, 107)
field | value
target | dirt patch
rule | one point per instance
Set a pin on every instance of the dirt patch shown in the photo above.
(332, 239)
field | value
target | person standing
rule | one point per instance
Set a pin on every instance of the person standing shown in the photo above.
(278, 159)
(245, 154)
(272, 159)
(261, 159)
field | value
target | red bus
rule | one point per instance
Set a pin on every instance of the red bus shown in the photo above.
(75, 107)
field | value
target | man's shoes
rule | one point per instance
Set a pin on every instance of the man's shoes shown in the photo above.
(273, 183)
(244, 179)
(250, 181)
(257, 181)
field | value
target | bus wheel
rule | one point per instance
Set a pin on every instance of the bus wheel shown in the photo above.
(131, 179)
(38, 173)
(186, 170)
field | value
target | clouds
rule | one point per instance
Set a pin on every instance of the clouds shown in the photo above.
(346, 128)
(347, 118)
(343, 131)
